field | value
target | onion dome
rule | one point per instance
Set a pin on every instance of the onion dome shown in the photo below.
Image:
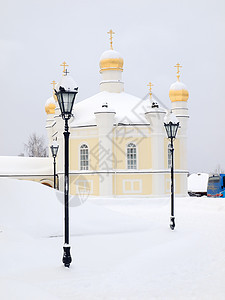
(111, 60)
(178, 90)
(50, 106)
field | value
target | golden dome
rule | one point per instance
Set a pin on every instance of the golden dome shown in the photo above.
(111, 60)
(178, 92)
(50, 106)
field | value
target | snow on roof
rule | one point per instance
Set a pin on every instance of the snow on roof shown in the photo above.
(18, 165)
(170, 117)
(178, 86)
(198, 182)
(129, 109)
(67, 83)
(105, 109)
(110, 54)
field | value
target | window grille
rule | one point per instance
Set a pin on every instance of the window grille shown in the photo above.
(131, 156)
(84, 157)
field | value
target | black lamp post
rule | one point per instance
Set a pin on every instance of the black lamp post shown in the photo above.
(66, 91)
(171, 125)
(54, 148)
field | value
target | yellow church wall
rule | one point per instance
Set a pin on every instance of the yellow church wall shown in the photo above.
(176, 154)
(84, 184)
(119, 146)
(145, 154)
(93, 145)
(143, 145)
(132, 184)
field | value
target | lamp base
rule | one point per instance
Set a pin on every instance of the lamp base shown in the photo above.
(67, 259)
(172, 223)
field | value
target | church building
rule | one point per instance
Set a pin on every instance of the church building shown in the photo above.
(118, 143)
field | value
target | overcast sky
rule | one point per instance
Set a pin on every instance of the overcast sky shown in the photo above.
(152, 36)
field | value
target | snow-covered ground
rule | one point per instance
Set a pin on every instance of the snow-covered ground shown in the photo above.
(121, 248)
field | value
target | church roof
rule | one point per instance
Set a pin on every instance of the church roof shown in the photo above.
(129, 109)
(24, 166)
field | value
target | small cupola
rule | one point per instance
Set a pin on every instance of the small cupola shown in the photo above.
(50, 106)
(178, 90)
(111, 68)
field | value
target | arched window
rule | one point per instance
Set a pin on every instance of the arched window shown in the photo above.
(169, 156)
(131, 156)
(84, 157)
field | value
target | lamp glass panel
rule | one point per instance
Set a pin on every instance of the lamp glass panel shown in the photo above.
(66, 102)
(174, 128)
(55, 150)
(68, 99)
(167, 127)
(171, 129)
(71, 101)
(59, 97)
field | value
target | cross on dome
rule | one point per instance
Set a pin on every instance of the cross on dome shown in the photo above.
(178, 66)
(150, 89)
(110, 32)
(64, 65)
(53, 84)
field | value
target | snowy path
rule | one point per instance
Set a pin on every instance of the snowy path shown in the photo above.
(122, 249)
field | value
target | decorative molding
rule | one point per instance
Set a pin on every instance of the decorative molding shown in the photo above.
(132, 182)
(87, 186)
(130, 171)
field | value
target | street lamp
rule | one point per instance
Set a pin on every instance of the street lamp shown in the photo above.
(171, 125)
(65, 92)
(54, 148)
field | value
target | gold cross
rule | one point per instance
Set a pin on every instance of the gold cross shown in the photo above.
(178, 66)
(53, 84)
(110, 32)
(150, 89)
(64, 65)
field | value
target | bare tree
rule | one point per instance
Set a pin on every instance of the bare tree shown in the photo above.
(35, 146)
